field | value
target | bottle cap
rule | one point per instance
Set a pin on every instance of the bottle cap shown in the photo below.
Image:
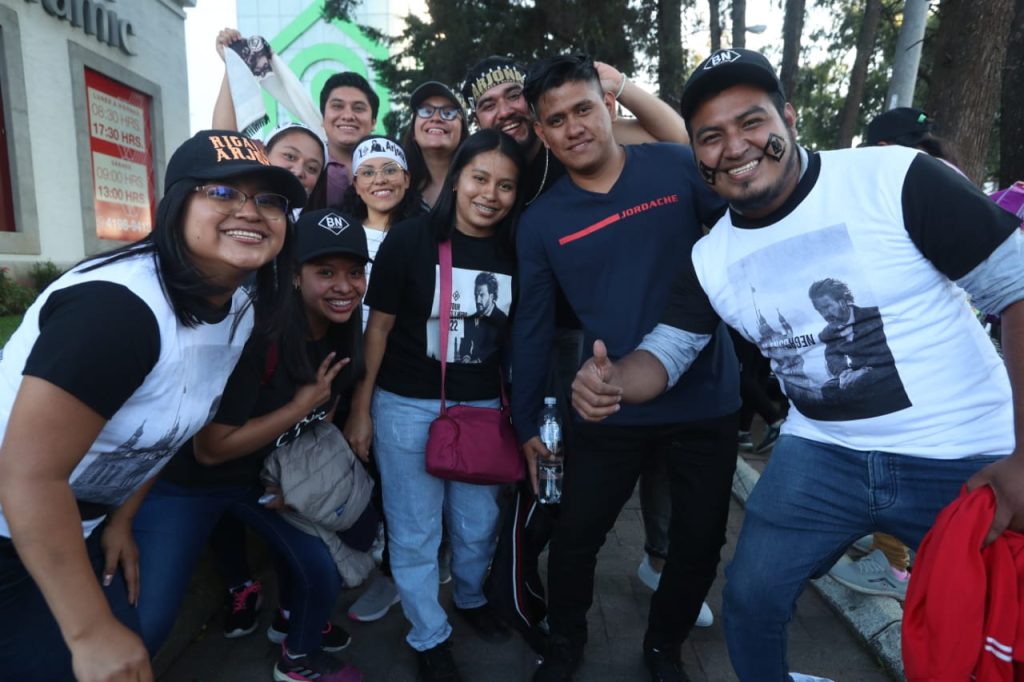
(549, 401)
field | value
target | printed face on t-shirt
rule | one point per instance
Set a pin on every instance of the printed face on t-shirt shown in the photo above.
(731, 132)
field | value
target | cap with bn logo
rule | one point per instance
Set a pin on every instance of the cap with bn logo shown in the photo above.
(329, 232)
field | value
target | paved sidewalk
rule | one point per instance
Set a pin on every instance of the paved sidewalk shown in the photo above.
(820, 643)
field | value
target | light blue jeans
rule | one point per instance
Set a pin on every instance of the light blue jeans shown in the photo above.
(413, 504)
(811, 503)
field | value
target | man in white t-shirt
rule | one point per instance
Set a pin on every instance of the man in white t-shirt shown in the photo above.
(890, 236)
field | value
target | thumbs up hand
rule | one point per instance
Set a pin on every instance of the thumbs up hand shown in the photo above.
(595, 393)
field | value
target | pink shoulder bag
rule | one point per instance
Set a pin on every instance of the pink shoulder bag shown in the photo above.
(469, 444)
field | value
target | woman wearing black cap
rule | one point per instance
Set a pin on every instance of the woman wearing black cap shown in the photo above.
(437, 128)
(114, 366)
(279, 390)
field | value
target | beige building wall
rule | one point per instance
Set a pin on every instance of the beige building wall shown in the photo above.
(42, 58)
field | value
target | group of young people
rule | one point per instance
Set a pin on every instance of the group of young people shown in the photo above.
(190, 371)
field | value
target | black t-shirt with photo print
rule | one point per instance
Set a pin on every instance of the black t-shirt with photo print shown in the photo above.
(405, 284)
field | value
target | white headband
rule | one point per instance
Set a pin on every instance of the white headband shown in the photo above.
(378, 148)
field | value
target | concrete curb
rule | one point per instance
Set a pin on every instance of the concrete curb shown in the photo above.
(876, 620)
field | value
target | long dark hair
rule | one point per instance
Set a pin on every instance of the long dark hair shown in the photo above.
(186, 287)
(345, 339)
(419, 173)
(441, 218)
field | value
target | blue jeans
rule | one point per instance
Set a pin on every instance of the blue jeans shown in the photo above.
(413, 504)
(31, 646)
(811, 503)
(172, 528)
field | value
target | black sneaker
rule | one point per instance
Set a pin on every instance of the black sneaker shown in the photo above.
(486, 625)
(314, 667)
(665, 664)
(561, 658)
(243, 606)
(437, 665)
(335, 637)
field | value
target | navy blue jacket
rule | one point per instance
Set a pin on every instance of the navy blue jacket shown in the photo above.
(615, 256)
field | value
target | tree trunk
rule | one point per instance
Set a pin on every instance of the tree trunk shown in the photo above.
(670, 50)
(1011, 121)
(714, 12)
(858, 74)
(739, 23)
(792, 30)
(908, 55)
(967, 76)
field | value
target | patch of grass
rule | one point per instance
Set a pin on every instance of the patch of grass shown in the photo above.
(8, 323)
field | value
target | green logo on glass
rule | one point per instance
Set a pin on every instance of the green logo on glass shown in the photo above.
(316, 63)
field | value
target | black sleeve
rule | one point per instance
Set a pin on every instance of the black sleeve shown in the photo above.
(953, 223)
(98, 341)
(243, 387)
(688, 305)
(389, 268)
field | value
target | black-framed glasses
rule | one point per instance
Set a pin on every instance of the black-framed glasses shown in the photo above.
(227, 200)
(388, 172)
(447, 113)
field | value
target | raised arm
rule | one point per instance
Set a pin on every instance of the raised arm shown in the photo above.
(224, 108)
(36, 461)
(655, 120)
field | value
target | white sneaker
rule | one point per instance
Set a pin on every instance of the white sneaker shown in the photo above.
(651, 578)
(800, 677)
(375, 602)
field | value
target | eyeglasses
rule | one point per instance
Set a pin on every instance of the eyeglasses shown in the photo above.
(446, 113)
(389, 171)
(227, 200)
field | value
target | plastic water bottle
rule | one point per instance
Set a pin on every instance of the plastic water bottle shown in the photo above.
(549, 469)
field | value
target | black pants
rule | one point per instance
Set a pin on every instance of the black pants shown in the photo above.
(600, 475)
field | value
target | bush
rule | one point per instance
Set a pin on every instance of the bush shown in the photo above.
(14, 297)
(42, 274)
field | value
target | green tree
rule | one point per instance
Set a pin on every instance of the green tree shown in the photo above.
(458, 33)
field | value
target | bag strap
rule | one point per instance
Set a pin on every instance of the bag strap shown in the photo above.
(444, 261)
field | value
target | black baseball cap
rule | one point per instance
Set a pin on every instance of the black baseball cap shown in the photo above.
(224, 154)
(902, 125)
(488, 73)
(724, 69)
(328, 232)
(435, 89)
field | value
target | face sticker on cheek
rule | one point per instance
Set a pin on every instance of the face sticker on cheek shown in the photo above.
(706, 172)
(775, 148)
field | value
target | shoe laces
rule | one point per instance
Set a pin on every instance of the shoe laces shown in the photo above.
(240, 596)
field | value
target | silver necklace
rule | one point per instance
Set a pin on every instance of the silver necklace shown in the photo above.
(544, 178)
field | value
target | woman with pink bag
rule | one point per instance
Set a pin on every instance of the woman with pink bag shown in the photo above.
(476, 211)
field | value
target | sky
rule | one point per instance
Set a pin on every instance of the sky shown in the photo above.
(208, 17)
